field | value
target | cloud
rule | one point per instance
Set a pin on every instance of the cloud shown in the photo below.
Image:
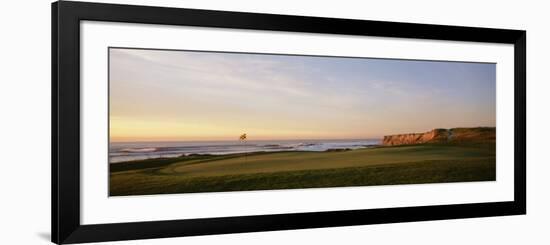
(293, 93)
(216, 71)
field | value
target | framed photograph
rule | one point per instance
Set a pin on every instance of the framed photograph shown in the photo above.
(174, 122)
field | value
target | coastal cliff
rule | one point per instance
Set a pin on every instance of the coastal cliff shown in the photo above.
(442, 136)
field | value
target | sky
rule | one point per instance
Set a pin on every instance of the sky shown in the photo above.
(167, 95)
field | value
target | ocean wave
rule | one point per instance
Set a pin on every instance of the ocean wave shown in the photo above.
(136, 151)
(148, 149)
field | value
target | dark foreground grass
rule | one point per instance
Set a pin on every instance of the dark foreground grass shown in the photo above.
(413, 164)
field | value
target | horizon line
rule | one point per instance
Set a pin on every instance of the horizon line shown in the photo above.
(152, 141)
(263, 139)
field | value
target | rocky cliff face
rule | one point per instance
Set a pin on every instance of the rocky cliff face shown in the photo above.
(441, 136)
(436, 135)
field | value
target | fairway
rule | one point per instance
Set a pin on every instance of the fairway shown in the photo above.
(413, 164)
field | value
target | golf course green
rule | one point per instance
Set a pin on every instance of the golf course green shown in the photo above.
(382, 165)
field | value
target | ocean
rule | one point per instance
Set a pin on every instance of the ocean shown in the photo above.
(128, 151)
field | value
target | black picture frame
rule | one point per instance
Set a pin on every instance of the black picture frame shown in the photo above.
(65, 140)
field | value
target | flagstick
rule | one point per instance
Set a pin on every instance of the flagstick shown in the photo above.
(245, 150)
(243, 138)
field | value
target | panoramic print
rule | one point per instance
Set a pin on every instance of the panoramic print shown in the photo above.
(196, 121)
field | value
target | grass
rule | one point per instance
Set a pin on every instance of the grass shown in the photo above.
(427, 163)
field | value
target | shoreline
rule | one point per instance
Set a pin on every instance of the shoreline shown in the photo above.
(142, 151)
(183, 156)
(136, 151)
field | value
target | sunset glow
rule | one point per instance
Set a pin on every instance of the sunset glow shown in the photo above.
(158, 95)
